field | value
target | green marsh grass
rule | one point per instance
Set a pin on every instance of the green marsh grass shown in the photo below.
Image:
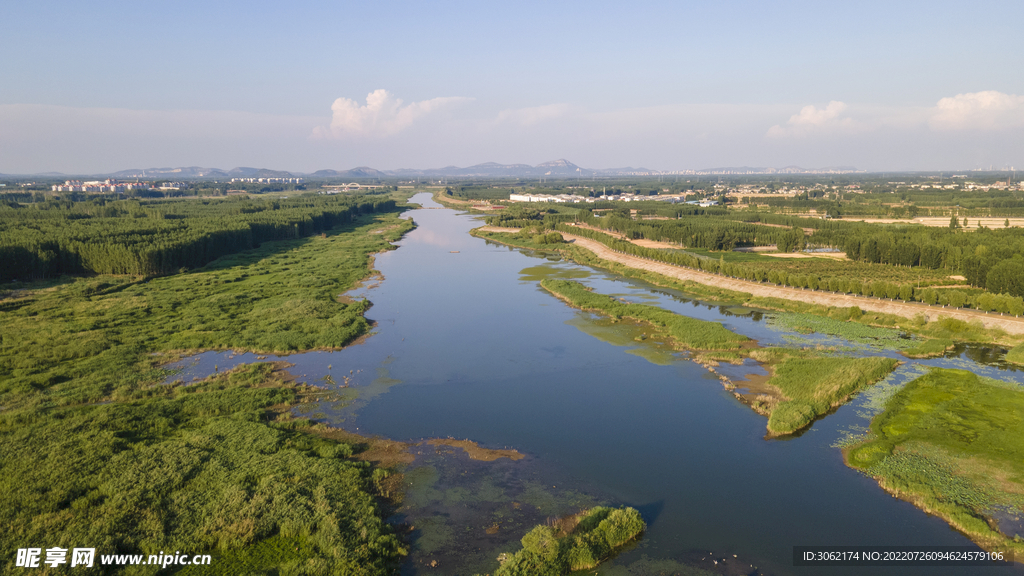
(95, 450)
(950, 441)
(686, 332)
(1016, 354)
(932, 348)
(813, 385)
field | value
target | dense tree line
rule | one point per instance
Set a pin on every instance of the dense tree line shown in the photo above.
(989, 259)
(710, 233)
(987, 301)
(148, 238)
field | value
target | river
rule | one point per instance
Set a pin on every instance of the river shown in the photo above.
(467, 345)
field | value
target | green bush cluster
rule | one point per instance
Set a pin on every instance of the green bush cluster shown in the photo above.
(547, 552)
(549, 238)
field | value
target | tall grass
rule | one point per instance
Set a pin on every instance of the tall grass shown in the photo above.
(814, 385)
(687, 332)
(95, 452)
(1016, 354)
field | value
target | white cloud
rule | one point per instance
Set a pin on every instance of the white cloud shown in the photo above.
(383, 115)
(988, 110)
(811, 119)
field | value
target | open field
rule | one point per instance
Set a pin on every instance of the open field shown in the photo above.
(831, 255)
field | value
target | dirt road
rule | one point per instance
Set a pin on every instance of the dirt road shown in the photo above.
(1011, 324)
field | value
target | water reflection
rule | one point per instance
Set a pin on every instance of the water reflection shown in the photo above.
(467, 345)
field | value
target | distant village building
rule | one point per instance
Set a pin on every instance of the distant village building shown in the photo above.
(560, 198)
(109, 185)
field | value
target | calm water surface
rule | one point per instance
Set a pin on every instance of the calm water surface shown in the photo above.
(468, 345)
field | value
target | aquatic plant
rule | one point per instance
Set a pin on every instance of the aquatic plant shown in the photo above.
(949, 441)
(929, 348)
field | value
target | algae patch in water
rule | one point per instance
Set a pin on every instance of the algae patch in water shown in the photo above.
(543, 271)
(636, 337)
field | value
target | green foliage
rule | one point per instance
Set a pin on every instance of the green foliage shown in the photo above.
(549, 238)
(951, 440)
(195, 468)
(94, 450)
(82, 339)
(596, 534)
(890, 263)
(930, 348)
(687, 332)
(815, 385)
(1016, 354)
(157, 237)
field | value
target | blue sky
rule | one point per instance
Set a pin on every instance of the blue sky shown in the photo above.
(101, 86)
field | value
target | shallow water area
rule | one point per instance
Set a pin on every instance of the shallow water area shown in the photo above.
(467, 345)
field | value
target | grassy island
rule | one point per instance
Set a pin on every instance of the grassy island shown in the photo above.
(932, 348)
(811, 385)
(804, 385)
(689, 333)
(577, 542)
(950, 442)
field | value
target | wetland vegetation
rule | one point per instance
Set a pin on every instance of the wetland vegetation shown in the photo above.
(949, 442)
(96, 450)
(1016, 354)
(810, 385)
(805, 384)
(689, 333)
(577, 542)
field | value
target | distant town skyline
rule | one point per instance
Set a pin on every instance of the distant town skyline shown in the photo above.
(904, 86)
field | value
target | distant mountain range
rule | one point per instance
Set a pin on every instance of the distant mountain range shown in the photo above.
(197, 172)
(555, 169)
